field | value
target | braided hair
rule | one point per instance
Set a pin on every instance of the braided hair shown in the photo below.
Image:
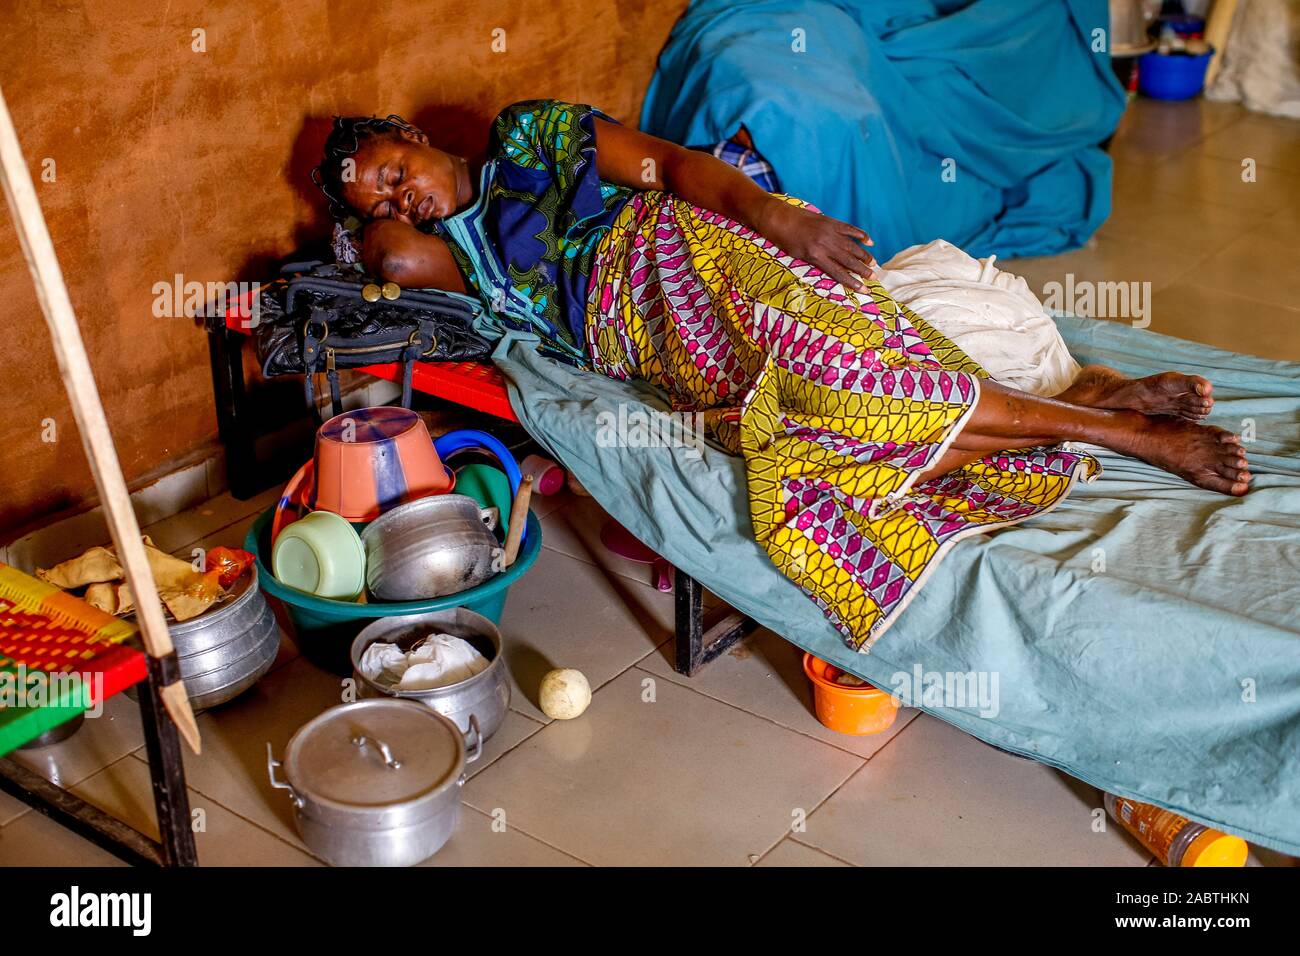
(344, 141)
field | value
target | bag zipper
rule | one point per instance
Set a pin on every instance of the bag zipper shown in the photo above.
(331, 350)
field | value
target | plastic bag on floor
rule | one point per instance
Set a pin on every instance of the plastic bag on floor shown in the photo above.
(1261, 61)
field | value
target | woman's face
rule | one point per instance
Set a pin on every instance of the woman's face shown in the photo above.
(400, 176)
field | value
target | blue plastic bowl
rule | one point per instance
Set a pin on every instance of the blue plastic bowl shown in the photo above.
(325, 628)
(1172, 77)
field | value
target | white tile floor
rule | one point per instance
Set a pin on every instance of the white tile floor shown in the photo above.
(731, 767)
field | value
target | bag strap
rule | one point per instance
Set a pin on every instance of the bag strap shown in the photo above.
(309, 392)
(408, 368)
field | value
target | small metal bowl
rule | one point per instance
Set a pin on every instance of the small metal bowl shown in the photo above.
(438, 545)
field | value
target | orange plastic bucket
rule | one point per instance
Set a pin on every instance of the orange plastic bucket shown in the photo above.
(373, 459)
(859, 711)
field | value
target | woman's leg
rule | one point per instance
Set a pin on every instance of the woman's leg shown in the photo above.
(1169, 393)
(1004, 419)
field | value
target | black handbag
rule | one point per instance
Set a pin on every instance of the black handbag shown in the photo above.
(316, 319)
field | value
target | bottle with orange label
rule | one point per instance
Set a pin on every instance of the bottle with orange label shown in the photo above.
(1176, 840)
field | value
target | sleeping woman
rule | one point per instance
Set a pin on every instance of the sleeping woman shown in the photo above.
(871, 442)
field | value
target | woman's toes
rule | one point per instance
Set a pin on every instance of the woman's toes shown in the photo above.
(1215, 482)
(1198, 400)
(1235, 484)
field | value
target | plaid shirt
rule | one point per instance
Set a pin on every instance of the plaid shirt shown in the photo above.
(747, 160)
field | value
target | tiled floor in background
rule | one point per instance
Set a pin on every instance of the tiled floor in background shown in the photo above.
(731, 767)
(1220, 253)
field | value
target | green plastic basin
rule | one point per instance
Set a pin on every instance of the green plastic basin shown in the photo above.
(324, 628)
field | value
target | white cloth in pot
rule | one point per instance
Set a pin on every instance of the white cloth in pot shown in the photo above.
(438, 660)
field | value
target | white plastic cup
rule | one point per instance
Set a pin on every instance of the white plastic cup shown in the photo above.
(548, 477)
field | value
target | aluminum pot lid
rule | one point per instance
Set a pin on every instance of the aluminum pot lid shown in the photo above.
(374, 754)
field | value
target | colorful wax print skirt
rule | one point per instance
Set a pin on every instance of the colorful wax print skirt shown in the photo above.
(839, 401)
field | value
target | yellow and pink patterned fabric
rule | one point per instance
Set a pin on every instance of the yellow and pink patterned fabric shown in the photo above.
(838, 401)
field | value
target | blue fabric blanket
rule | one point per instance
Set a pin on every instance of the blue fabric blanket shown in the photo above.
(974, 120)
(1144, 636)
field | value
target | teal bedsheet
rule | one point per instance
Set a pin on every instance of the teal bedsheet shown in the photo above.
(1143, 637)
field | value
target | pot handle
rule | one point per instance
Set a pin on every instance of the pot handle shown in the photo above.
(475, 751)
(272, 765)
(385, 751)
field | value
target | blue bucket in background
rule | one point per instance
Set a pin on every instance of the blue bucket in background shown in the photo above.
(1174, 76)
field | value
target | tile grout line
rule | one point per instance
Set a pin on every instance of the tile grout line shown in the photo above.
(768, 852)
(844, 783)
(862, 761)
(637, 664)
(601, 567)
(809, 815)
(761, 717)
(84, 777)
(531, 836)
(1251, 300)
(188, 786)
(605, 683)
(215, 531)
(233, 812)
(771, 720)
(818, 849)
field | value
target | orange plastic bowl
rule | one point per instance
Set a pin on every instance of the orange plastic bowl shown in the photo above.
(859, 711)
(373, 459)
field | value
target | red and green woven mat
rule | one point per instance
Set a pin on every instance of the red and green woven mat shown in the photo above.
(79, 649)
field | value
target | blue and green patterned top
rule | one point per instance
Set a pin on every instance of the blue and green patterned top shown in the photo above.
(528, 243)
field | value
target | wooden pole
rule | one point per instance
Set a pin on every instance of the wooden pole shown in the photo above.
(88, 410)
(1217, 29)
(518, 519)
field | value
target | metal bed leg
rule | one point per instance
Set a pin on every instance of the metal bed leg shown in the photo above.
(696, 645)
(166, 766)
(226, 352)
(171, 799)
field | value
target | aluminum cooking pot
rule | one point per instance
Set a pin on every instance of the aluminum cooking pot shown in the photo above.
(226, 650)
(427, 548)
(376, 782)
(484, 697)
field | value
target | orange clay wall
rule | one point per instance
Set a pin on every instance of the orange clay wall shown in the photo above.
(153, 157)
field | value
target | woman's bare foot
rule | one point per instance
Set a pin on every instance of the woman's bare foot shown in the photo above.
(1169, 393)
(1206, 456)
(1004, 418)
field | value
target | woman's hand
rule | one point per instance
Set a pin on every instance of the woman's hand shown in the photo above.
(640, 161)
(834, 247)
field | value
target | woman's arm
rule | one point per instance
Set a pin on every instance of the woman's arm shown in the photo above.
(400, 253)
(640, 161)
